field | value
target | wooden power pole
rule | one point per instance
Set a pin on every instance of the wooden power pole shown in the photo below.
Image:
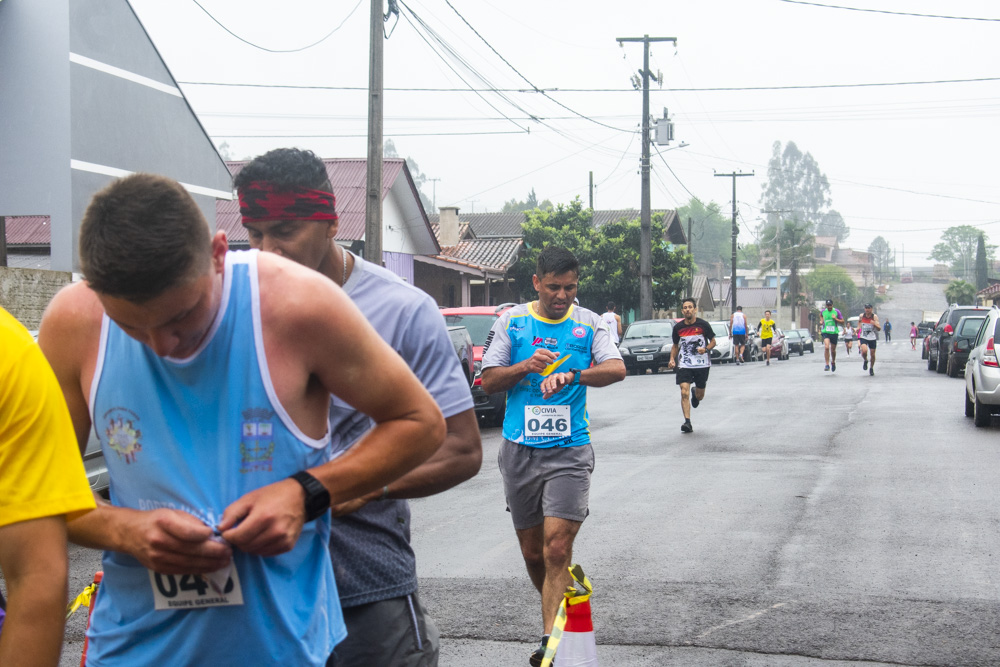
(736, 230)
(645, 241)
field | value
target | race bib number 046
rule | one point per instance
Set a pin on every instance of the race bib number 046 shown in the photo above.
(194, 591)
(547, 421)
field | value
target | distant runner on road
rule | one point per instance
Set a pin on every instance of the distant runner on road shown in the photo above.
(830, 327)
(694, 340)
(913, 335)
(869, 328)
(738, 333)
(766, 335)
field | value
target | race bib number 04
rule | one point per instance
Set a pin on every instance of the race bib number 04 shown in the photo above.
(195, 591)
(547, 421)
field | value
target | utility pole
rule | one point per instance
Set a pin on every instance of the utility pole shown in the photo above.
(591, 189)
(373, 185)
(645, 242)
(434, 201)
(736, 230)
(3, 241)
(691, 252)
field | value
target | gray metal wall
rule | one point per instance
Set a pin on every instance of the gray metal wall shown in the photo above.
(92, 101)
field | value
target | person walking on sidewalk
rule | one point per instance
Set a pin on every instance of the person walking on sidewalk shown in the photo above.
(869, 326)
(832, 320)
(693, 341)
(738, 333)
(914, 332)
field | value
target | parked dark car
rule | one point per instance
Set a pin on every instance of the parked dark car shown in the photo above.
(962, 342)
(478, 320)
(924, 329)
(466, 351)
(808, 344)
(646, 345)
(939, 342)
(794, 341)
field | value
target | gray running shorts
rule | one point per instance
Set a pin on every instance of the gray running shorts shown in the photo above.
(395, 632)
(545, 482)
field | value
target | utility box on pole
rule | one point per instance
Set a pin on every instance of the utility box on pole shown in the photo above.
(664, 130)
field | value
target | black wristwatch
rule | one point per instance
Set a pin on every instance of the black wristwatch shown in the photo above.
(576, 375)
(317, 497)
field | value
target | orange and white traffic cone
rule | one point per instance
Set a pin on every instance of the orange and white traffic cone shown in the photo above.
(573, 633)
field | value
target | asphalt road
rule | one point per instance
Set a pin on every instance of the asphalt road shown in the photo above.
(811, 518)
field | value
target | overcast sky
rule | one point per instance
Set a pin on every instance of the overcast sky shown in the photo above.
(904, 161)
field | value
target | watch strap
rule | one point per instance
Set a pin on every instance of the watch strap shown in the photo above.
(317, 497)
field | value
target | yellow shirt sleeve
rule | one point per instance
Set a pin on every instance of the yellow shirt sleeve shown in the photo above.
(41, 470)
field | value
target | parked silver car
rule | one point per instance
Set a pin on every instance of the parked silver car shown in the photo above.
(982, 372)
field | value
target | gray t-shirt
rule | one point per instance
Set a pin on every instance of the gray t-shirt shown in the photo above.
(370, 548)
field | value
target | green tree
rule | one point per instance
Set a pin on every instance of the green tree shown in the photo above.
(882, 257)
(797, 250)
(960, 291)
(529, 204)
(982, 272)
(609, 257)
(832, 224)
(712, 234)
(957, 248)
(795, 187)
(832, 282)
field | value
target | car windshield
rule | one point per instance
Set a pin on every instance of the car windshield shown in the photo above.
(803, 332)
(970, 326)
(959, 313)
(478, 325)
(720, 328)
(793, 334)
(650, 329)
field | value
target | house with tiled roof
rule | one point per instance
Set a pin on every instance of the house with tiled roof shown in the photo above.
(406, 231)
(470, 270)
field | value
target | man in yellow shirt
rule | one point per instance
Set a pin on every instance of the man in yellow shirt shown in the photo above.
(766, 329)
(42, 482)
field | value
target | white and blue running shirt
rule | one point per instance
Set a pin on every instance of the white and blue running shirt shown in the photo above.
(580, 338)
(195, 435)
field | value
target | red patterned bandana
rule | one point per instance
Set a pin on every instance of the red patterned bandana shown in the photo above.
(261, 202)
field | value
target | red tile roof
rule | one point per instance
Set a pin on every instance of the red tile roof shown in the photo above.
(28, 230)
(348, 177)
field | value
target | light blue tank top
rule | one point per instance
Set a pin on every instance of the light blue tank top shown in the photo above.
(195, 435)
(572, 338)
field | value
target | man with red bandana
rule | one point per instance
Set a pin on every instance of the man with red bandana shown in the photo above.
(288, 208)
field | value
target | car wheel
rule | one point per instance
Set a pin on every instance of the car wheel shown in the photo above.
(952, 367)
(931, 363)
(981, 414)
(942, 364)
(970, 407)
(923, 352)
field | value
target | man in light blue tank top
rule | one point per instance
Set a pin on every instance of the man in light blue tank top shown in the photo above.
(545, 354)
(370, 537)
(208, 375)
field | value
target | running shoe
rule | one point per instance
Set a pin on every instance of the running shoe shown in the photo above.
(685, 428)
(768, 363)
(827, 367)
(871, 371)
(536, 657)
(833, 368)
(694, 400)
(864, 367)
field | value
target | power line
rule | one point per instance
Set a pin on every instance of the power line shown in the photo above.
(264, 48)
(516, 71)
(886, 11)
(708, 89)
